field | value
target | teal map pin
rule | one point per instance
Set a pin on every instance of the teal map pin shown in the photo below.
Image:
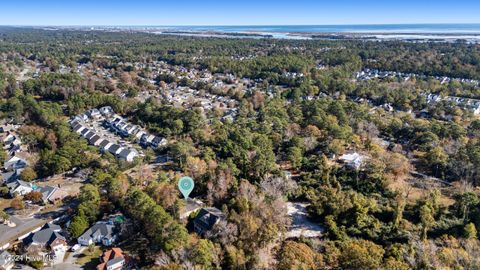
(185, 184)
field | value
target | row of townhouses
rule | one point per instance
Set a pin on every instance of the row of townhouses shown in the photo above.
(466, 103)
(116, 125)
(122, 127)
(368, 74)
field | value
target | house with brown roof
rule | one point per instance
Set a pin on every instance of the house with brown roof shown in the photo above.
(52, 194)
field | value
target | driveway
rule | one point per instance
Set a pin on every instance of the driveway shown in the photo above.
(69, 262)
(73, 256)
(64, 266)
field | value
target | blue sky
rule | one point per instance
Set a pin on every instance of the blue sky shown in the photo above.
(227, 12)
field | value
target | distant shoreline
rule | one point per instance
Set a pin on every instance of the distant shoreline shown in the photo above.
(408, 36)
(412, 32)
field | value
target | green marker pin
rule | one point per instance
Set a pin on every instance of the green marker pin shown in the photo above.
(185, 184)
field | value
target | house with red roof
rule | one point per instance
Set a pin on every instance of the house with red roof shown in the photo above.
(112, 259)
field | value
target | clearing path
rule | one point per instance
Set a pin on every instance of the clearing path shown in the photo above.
(301, 225)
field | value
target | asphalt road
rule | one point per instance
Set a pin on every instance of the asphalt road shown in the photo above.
(8, 234)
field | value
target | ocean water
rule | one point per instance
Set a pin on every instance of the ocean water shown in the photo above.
(377, 28)
(433, 32)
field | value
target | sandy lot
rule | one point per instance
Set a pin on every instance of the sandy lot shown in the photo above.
(301, 225)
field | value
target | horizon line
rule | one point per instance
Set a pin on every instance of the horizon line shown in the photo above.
(183, 25)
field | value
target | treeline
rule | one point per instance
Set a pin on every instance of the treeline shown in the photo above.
(435, 59)
(458, 60)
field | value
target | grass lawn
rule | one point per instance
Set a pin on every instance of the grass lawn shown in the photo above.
(90, 259)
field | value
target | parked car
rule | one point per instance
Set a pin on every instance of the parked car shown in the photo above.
(75, 247)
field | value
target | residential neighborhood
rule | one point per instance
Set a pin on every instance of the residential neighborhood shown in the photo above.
(109, 132)
(369, 74)
(238, 147)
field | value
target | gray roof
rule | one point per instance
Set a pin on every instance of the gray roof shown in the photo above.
(135, 129)
(104, 143)
(106, 109)
(23, 183)
(114, 261)
(157, 139)
(85, 131)
(116, 120)
(94, 111)
(9, 176)
(99, 229)
(147, 138)
(76, 128)
(14, 147)
(52, 226)
(43, 237)
(125, 152)
(94, 139)
(47, 191)
(89, 134)
(208, 217)
(114, 148)
(18, 183)
(16, 164)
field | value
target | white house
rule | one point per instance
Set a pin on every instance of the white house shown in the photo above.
(140, 133)
(105, 145)
(115, 149)
(79, 129)
(112, 260)
(95, 140)
(94, 113)
(20, 187)
(48, 240)
(158, 142)
(15, 162)
(9, 138)
(106, 110)
(353, 160)
(127, 154)
(99, 233)
(82, 117)
(147, 139)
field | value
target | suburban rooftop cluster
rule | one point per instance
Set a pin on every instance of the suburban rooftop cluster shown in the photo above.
(368, 74)
(101, 127)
